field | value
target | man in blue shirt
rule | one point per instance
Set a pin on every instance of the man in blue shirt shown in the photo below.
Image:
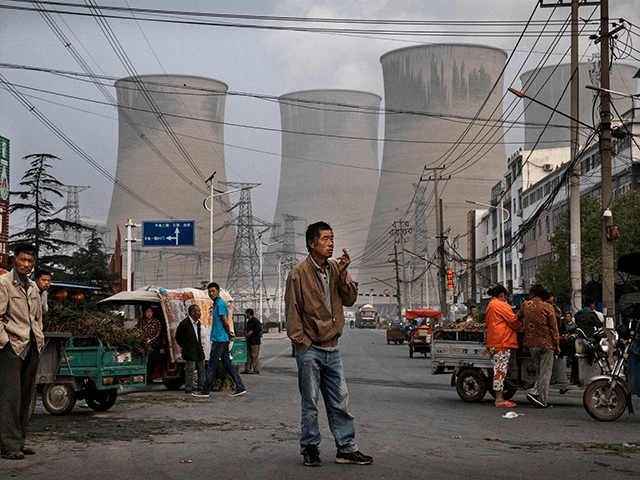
(221, 335)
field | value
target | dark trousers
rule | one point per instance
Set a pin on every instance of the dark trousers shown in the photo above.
(193, 366)
(220, 351)
(17, 388)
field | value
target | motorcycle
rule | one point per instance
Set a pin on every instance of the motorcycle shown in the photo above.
(609, 394)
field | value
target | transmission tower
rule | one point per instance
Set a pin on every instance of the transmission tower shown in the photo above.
(243, 281)
(289, 251)
(72, 211)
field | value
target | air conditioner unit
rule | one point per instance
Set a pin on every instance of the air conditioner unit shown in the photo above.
(548, 237)
(519, 212)
(547, 167)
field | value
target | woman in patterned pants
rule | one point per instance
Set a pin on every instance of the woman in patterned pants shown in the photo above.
(502, 326)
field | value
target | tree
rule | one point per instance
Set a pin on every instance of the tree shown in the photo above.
(554, 273)
(89, 265)
(42, 223)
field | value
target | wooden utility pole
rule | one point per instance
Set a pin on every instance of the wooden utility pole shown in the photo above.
(444, 307)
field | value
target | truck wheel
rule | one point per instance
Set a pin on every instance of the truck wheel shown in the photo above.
(388, 342)
(401, 341)
(601, 407)
(102, 400)
(173, 383)
(471, 386)
(410, 351)
(58, 398)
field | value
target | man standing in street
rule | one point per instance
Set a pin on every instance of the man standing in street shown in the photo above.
(190, 341)
(43, 281)
(21, 341)
(254, 331)
(221, 335)
(317, 289)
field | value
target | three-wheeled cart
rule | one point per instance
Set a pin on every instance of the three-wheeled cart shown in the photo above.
(73, 368)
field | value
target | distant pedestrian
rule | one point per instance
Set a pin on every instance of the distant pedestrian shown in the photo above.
(543, 340)
(469, 316)
(190, 341)
(21, 342)
(221, 335)
(317, 289)
(254, 332)
(43, 281)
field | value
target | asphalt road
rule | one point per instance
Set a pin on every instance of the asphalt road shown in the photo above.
(412, 422)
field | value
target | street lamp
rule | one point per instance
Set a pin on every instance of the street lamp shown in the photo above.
(502, 220)
(210, 208)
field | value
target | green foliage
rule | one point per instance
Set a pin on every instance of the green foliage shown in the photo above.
(39, 185)
(555, 274)
(626, 214)
(223, 381)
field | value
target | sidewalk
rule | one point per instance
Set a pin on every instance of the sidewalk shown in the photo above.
(274, 335)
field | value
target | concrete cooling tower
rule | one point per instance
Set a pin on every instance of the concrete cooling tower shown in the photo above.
(550, 85)
(170, 140)
(432, 95)
(329, 169)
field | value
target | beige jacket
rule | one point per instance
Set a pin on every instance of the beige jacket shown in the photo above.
(308, 319)
(19, 313)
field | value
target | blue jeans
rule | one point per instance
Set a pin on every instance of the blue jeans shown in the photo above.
(220, 351)
(321, 371)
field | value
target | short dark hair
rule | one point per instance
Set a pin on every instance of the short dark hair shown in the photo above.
(40, 273)
(497, 290)
(192, 308)
(538, 290)
(26, 249)
(313, 232)
(213, 285)
(587, 302)
(472, 306)
(249, 311)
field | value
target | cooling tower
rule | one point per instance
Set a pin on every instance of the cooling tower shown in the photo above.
(170, 139)
(432, 96)
(550, 85)
(329, 168)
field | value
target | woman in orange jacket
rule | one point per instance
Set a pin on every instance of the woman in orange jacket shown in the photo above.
(502, 325)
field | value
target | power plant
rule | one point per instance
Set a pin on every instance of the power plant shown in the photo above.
(443, 113)
(170, 141)
(329, 172)
(550, 86)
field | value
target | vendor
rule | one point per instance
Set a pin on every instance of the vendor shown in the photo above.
(150, 326)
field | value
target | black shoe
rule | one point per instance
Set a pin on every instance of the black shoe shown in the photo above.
(311, 456)
(245, 372)
(535, 401)
(355, 458)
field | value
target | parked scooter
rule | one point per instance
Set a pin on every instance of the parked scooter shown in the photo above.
(608, 395)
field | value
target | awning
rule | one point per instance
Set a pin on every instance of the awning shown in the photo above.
(423, 313)
(131, 298)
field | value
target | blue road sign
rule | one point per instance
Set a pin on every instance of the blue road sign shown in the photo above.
(168, 234)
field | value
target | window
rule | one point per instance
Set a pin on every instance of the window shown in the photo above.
(547, 221)
(539, 227)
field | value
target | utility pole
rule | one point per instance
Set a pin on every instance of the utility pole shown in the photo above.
(444, 308)
(575, 240)
(608, 288)
(395, 253)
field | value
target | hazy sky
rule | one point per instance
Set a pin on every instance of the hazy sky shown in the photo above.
(251, 60)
